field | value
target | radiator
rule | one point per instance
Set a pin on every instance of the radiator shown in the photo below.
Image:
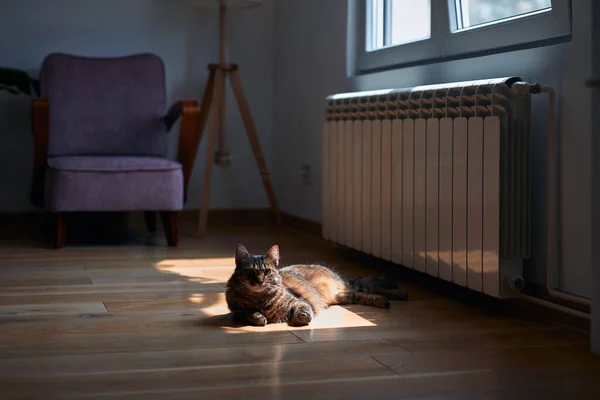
(433, 178)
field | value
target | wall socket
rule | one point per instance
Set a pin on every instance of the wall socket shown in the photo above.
(306, 174)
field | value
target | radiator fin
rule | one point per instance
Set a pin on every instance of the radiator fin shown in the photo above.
(475, 204)
(386, 189)
(432, 193)
(445, 200)
(408, 151)
(397, 173)
(419, 196)
(357, 187)
(491, 205)
(376, 188)
(366, 187)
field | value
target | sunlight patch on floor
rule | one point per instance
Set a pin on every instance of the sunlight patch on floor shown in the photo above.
(333, 317)
(218, 270)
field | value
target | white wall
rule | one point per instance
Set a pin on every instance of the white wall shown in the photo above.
(185, 37)
(311, 63)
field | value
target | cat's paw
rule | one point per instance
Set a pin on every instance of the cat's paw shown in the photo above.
(303, 315)
(257, 319)
(381, 302)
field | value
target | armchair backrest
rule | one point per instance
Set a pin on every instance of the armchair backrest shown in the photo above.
(105, 106)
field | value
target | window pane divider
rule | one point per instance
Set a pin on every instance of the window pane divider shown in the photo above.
(387, 23)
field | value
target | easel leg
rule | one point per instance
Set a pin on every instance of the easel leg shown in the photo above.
(222, 153)
(236, 85)
(205, 107)
(210, 150)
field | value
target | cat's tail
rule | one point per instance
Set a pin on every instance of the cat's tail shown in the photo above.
(364, 283)
(378, 285)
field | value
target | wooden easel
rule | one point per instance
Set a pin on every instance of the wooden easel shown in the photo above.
(213, 103)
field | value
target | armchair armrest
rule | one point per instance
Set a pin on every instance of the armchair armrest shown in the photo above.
(41, 127)
(188, 139)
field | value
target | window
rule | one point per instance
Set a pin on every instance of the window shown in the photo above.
(473, 13)
(391, 33)
(396, 22)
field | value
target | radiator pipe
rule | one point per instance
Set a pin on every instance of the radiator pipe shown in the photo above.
(553, 233)
(554, 306)
(552, 261)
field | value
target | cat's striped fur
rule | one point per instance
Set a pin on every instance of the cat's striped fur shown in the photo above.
(259, 292)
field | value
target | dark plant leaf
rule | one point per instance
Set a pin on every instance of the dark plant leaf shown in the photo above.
(10, 77)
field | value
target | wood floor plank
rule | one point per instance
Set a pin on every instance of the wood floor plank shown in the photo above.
(152, 294)
(268, 373)
(99, 324)
(133, 275)
(463, 385)
(553, 360)
(46, 278)
(43, 281)
(40, 266)
(148, 296)
(117, 287)
(132, 342)
(193, 357)
(57, 308)
(496, 340)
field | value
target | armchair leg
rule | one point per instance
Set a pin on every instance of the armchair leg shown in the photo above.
(169, 221)
(61, 231)
(151, 221)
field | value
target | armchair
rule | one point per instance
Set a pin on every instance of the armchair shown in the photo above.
(100, 140)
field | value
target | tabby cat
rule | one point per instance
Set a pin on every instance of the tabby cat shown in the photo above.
(260, 292)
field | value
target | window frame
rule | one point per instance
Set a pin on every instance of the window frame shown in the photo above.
(446, 42)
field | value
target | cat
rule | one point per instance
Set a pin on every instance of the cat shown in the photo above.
(260, 292)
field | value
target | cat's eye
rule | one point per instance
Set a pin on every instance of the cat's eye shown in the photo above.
(267, 272)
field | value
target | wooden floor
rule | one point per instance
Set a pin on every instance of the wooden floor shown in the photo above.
(150, 322)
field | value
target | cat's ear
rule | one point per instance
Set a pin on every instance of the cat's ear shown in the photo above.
(241, 253)
(273, 255)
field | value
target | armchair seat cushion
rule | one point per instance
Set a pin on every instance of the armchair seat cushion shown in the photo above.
(113, 183)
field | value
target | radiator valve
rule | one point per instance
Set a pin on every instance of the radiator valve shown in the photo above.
(517, 283)
(526, 88)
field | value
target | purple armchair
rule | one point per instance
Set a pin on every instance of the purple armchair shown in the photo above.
(100, 136)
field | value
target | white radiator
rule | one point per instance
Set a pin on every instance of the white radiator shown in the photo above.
(435, 178)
